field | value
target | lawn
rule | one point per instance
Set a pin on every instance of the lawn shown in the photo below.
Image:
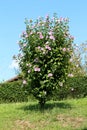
(69, 114)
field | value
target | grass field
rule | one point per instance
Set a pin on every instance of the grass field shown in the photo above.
(59, 115)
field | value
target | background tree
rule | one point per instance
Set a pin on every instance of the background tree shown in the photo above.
(79, 59)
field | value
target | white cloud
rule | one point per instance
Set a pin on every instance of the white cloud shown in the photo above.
(14, 65)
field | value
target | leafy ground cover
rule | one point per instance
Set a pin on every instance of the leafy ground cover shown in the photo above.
(68, 114)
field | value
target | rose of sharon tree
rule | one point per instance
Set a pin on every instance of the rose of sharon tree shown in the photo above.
(44, 57)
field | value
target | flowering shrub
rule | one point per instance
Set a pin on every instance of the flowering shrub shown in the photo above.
(44, 58)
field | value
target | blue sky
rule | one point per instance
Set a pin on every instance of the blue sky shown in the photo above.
(13, 14)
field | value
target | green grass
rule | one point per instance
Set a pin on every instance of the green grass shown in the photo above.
(59, 115)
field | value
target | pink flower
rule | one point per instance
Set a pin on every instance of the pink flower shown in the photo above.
(24, 82)
(48, 47)
(26, 35)
(41, 36)
(24, 45)
(47, 16)
(39, 47)
(71, 37)
(37, 69)
(50, 75)
(42, 49)
(50, 33)
(31, 33)
(64, 49)
(70, 75)
(71, 60)
(52, 37)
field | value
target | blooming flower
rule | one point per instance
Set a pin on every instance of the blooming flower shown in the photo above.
(31, 33)
(41, 36)
(47, 16)
(37, 69)
(71, 37)
(50, 33)
(42, 49)
(52, 37)
(39, 47)
(72, 89)
(29, 71)
(24, 45)
(50, 75)
(70, 75)
(71, 60)
(77, 66)
(24, 82)
(48, 47)
(64, 49)
(26, 35)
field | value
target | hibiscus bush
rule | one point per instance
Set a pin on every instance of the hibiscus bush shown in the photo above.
(44, 57)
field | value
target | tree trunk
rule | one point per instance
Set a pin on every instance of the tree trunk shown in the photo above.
(42, 102)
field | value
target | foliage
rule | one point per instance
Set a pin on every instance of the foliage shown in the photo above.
(12, 92)
(44, 58)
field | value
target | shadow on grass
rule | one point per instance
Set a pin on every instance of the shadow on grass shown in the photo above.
(84, 129)
(48, 106)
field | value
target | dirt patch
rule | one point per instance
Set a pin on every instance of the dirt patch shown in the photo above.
(75, 122)
(26, 125)
(23, 125)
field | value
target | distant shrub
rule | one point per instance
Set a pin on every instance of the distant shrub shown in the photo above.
(12, 92)
(76, 88)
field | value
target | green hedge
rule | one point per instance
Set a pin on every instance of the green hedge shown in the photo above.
(76, 87)
(12, 92)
